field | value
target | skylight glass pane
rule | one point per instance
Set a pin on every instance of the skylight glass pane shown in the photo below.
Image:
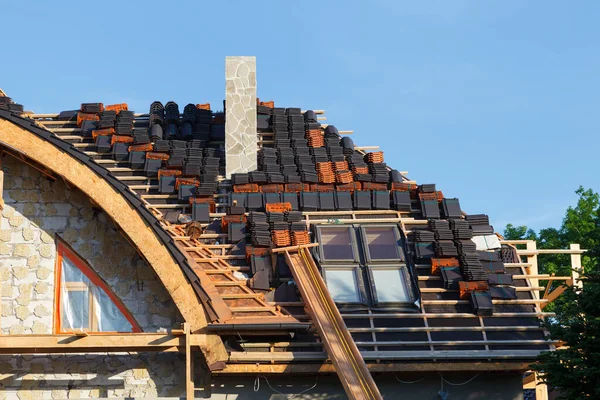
(336, 244)
(382, 243)
(342, 285)
(390, 286)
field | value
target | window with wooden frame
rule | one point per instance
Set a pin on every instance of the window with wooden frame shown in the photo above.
(84, 303)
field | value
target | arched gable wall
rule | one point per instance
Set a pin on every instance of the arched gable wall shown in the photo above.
(116, 207)
(36, 213)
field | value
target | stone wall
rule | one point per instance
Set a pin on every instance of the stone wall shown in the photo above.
(93, 376)
(36, 211)
(240, 115)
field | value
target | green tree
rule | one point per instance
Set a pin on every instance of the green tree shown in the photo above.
(574, 369)
(581, 224)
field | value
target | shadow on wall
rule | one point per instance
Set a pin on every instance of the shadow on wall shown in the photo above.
(93, 376)
(485, 386)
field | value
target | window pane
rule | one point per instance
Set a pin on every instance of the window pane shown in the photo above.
(75, 310)
(390, 286)
(70, 273)
(382, 243)
(108, 315)
(342, 285)
(337, 244)
(80, 298)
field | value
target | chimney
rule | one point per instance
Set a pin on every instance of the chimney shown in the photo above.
(240, 115)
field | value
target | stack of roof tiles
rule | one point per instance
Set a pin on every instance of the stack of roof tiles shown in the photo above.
(424, 243)
(6, 103)
(428, 197)
(276, 226)
(480, 224)
(444, 246)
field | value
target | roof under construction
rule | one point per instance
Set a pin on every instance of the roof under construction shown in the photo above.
(319, 246)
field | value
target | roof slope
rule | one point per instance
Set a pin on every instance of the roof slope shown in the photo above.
(442, 328)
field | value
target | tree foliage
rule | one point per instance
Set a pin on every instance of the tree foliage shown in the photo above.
(574, 369)
(581, 224)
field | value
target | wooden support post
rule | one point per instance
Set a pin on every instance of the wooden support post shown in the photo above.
(576, 265)
(532, 269)
(189, 365)
(541, 389)
(1, 182)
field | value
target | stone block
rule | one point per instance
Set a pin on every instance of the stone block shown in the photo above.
(46, 238)
(21, 250)
(22, 312)
(41, 288)
(4, 249)
(5, 235)
(47, 251)
(28, 234)
(15, 221)
(53, 223)
(43, 273)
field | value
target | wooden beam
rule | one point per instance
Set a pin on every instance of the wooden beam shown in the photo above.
(1, 182)
(541, 389)
(374, 367)
(293, 248)
(189, 363)
(529, 381)
(97, 343)
(286, 356)
(553, 295)
(576, 265)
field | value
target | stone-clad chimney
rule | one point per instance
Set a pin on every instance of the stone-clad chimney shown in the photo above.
(240, 115)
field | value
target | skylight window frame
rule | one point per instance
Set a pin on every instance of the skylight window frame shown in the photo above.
(359, 281)
(400, 244)
(319, 230)
(405, 278)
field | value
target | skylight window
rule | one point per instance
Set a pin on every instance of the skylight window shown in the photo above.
(337, 243)
(390, 285)
(382, 243)
(343, 285)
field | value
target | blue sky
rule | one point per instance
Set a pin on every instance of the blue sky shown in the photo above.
(497, 102)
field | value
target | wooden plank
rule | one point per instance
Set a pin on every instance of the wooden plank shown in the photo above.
(576, 266)
(553, 295)
(447, 329)
(236, 356)
(541, 389)
(1, 182)
(293, 248)
(407, 343)
(529, 381)
(189, 364)
(327, 368)
(94, 343)
(350, 367)
(366, 148)
(453, 302)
